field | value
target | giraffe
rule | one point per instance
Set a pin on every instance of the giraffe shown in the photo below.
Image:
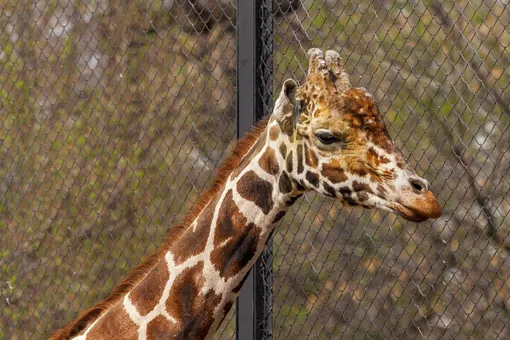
(325, 136)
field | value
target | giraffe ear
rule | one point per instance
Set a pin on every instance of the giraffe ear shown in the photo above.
(284, 107)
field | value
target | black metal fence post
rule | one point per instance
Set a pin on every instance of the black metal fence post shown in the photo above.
(254, 101)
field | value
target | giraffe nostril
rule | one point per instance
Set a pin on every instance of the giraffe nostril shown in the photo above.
(419, 185)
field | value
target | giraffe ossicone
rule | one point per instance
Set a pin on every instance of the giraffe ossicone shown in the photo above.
(324, 136)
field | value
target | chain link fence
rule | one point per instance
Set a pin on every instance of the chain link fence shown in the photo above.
(114, 115)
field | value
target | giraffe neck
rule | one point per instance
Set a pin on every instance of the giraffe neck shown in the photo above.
(193, 286)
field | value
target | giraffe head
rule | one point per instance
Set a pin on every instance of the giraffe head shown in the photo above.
(339, 145)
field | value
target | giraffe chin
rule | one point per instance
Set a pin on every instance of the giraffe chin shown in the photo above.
(409, 214)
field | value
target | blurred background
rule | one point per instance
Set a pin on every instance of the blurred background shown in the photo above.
(115, 114)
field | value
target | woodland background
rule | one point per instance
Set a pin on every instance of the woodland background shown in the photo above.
(114, 115)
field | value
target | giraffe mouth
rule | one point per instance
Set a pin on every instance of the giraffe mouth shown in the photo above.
(409, 214)
(406, 212)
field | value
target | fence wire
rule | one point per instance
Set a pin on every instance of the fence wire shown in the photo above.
(114, 115)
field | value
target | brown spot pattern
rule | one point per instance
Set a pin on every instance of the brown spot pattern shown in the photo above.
(274, 133)
(284, 183)
(237, 252)
(161, 328)
(192, 242)
(381, 192)
(346, 194)
(187, 304)
(329, 189)
(109, 325)
(145, 296)
(268, 162)
(300, 166)
(253, 188)
(357, 186)
(333, 172)
(289, 162)
(283, 150)
(230, 220)
(299, 185)
(238, 239)
(310, 157)
(312, 178)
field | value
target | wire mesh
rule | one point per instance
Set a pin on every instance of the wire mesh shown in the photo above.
(114, 115)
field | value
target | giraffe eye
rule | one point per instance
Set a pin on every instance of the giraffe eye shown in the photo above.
(327, 138)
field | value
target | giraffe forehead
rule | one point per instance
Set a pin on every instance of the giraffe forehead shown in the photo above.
(325, 103)
(362, 113)
(318, 94)
(360, 102)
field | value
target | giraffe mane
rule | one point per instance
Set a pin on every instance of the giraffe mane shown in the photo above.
(139, 272)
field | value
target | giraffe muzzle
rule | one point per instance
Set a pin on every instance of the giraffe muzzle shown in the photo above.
(418, 207)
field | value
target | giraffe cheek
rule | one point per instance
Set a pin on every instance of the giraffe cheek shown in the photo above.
(358, 168)
(334, 172)
(363, 192)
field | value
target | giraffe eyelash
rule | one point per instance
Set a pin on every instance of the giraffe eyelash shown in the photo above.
(326, 137)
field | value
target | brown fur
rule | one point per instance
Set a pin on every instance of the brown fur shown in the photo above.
(284, 183)
(193, 241)
(242, 238)
(146, 295)
(268, 162)
(257, 190)
(193, 310)
(136, 275)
